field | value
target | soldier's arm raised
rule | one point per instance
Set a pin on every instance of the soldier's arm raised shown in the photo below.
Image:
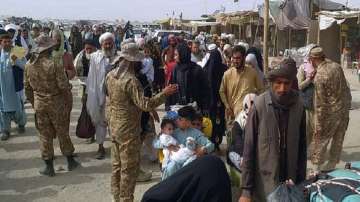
(136, 93)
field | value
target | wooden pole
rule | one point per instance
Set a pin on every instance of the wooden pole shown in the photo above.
(265, 41)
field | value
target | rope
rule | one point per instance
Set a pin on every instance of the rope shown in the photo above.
(320, 183)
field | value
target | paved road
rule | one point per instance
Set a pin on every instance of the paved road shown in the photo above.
(20, 161)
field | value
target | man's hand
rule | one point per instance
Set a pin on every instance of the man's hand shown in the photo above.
(170, 89)
(229, 113)
(244, 199)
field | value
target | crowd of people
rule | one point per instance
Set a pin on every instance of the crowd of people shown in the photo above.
(273, 118)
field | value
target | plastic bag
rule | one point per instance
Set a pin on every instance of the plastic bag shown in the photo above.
(286, 193)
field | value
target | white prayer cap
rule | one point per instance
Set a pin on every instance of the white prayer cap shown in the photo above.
(243, 44)
(106, 35)
(227, 46)
(211, 47)
(11, 26)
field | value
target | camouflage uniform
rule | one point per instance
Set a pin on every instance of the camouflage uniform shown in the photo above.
(47, 87)
(332, 101)
(125, 103)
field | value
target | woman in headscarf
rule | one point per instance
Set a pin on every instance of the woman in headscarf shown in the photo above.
(214, 70)
(204, 179)
(254, 58)
(191, 79)
(159, 74)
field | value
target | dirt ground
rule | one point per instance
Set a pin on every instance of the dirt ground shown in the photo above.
(20, 162)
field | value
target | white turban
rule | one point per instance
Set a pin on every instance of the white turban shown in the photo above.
(11, 26)
(243, 44)
(211, 47)
(105, 36)
(227, 46)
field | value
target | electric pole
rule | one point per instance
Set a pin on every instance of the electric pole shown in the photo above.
(266, 33)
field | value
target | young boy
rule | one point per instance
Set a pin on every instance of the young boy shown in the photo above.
(147, 65)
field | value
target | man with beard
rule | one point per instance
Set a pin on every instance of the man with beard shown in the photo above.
(99, 66)
(125, 102)
(237, 82)
(97, 31)
(196, 54)
(11, 88)
(275, 137)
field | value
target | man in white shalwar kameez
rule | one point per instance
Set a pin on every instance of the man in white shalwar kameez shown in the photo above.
(99, 66)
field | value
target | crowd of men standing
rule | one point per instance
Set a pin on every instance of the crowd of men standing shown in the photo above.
(215, 76)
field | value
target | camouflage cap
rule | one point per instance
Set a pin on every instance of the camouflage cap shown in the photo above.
(316, 52)
(130, 51)
(43, 42)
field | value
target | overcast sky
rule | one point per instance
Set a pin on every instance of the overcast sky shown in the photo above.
(143, 10)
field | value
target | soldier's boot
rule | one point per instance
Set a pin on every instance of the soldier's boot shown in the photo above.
(143, 176)
(72, 163)
(49, 169)
(5, 135)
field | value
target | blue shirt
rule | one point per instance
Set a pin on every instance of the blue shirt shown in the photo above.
(9, 100)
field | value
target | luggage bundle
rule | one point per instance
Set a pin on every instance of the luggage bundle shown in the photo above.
(341, 185)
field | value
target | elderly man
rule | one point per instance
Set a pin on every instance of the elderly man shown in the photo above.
(275, 137)
(196, 54)
(11, 88)
(99, 66)
(46, 87)
(125, 103)
(237, 82)
(332, 101)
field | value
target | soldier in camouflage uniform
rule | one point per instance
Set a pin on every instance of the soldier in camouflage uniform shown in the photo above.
(332, 100)
(46, 86)
(125, 103)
